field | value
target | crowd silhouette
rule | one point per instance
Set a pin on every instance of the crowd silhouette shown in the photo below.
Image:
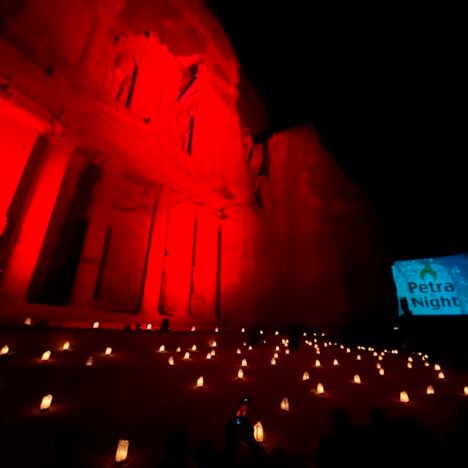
(385, 443)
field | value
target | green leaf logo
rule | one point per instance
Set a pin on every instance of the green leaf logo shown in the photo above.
(428, 270)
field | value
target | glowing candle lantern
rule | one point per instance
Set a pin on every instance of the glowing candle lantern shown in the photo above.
(304, 334)
(276, 333)
(200, 382)
(381, 372)
(348, 350)
(426, 364)
(284, 404)
(213, 353)
(28, 321)
(305, 376)
(214, 344)
(240, 374)
(375, 354)
(380, 358)
(358, 357)
(273, 362)
(441, 376)
(194, 347)
(317, 363)
(186, 356)
(318, 351)
(341, 346)
(108, 351)
(96, 325)
(193, 328)
(379, 366)
(357, 379)
(121, 453)
(89, 361)
(430, 390)
(216, 330)
(244, 363)
(437, 367)
(45, 402)
(325, 345)
(277, 348)
(404, 398)
(66, 346)
(320, 389)
(335, 362)
(465, 390)
(149, 326)
(179, 349)
(244, 343)
(45, 356)
(250, 348)
(239, 351)
(258, 432)
(276, 355)
(5, 350)
(243, 330)
(171, 361)
(286, 351)
(409, 365)
(410, 359)
(261, 332)
(208, 356)
(162, 348)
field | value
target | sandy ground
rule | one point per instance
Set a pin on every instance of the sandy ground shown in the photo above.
(135, 394)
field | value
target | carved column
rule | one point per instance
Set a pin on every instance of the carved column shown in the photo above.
(27, 248)
(157, 247)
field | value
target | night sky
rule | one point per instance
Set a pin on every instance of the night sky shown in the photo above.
(383, 86)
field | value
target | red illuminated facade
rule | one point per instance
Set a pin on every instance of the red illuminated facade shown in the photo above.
(131, 188)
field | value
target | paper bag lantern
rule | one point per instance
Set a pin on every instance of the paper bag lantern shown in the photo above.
(258, 432)
(404, 398)
(284, 404)
(305, 376)
(121, 453)
(45, 356)
(45, 402)
(200, 382)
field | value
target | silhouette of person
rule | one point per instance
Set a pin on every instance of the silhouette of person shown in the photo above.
(240, 441)
(406, 321)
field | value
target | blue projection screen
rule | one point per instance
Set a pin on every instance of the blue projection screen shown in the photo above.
(432, 286)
